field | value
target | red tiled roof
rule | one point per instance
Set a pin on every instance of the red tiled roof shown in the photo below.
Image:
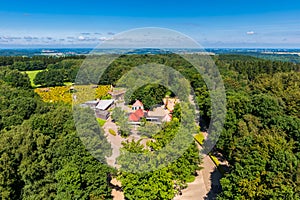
(139, 113)
(138, 104)
(133, 117)
(136, 116)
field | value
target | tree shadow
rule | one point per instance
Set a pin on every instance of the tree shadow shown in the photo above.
(112, 186)
(215, 185)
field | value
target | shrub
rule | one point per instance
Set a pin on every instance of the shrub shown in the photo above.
(217, 163)
(199, 138)
(101, 122)
(112, 132)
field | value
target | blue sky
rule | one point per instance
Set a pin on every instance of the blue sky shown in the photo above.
(219, 23)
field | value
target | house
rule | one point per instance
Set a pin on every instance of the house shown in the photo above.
(105, 104)
(92, 104)
(102, 114)
(170, 103)
(137, 105)
(158, 115)
(167, 118)
(117, 94)
(137, 115)
(100, 107)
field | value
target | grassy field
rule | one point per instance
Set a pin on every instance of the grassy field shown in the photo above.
(32, 75)
(102, 122)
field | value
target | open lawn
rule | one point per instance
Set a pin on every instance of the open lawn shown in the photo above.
(32, 75)
(101, 122)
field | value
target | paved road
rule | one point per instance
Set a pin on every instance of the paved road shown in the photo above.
(206, 184)
(115, 141)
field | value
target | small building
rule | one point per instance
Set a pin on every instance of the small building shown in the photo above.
(170, 103)
(167, 118)
(100, 107)
(137, 115)
(105, 104)
(137, 105)
(117, 94)
(102, 114)
(92, 104)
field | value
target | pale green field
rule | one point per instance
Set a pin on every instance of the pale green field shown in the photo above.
(32, 75)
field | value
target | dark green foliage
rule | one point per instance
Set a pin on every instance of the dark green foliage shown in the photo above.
(162, 183)
(15, 78)
(47, 160)
(260, 139)
(16, 104)
(28, 65)
(33, 63)
(41, 157)
(264, 168)
(69, 68)
(49, 78)
(58, 73)
(121, 119)
(151, 95)
(250, 67)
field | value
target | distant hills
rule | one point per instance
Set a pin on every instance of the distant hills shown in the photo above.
(279, 54)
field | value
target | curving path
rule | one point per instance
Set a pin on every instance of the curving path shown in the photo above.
(205, 184)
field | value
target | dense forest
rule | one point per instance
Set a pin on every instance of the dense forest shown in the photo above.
(42, 157)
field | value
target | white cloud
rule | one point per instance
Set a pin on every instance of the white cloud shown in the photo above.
(250, 33)
(105, 38)
(81, 37)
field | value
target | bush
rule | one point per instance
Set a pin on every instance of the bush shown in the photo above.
(199, 138)
(215, 160)
(101, 122)
(217, 163)
(112, 132)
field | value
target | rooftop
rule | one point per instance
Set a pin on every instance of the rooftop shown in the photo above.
(104, 104)
(138, 103)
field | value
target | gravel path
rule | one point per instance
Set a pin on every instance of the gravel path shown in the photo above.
(206, 184)
(115, 141)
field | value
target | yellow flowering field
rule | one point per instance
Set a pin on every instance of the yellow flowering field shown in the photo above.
(64, 93)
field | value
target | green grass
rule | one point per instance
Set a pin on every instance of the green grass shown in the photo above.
(68, 83)
(31, 75)
(101, 121)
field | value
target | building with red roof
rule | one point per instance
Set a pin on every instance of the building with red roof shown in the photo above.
(137, 115)
(138, 105)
